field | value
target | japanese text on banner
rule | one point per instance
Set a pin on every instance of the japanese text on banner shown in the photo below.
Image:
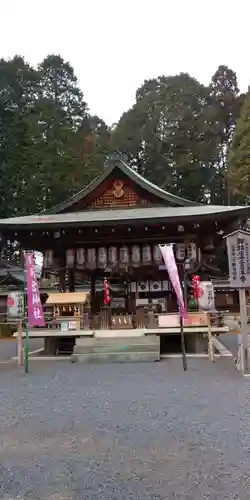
(35, 310)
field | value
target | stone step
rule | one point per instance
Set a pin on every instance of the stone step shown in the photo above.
(114, 348)
(106, 341)
(117, 357)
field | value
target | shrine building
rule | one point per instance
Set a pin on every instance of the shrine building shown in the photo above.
(111, 230)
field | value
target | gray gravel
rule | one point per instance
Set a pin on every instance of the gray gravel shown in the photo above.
(119, 432)
(8, 348)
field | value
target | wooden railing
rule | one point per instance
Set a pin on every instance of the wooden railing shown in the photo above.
(142, 319)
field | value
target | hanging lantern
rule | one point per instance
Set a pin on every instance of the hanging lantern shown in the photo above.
(102, 257)
(209, 243)
(124, 255)
(157, 255)
(91, 258)
(146, 255)
(80, 256)
(135, 255)
(70, 257)
(196, 281)
(48, 259)
(191, 250)
(180, 251)
(107, 298)
(112, 256)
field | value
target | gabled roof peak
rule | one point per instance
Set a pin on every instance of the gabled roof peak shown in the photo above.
(117, 161)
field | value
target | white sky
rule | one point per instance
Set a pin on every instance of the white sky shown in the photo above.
(114, 45)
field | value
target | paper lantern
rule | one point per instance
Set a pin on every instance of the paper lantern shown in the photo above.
(191, 250)
(102, 257)
(70, 257)
(157, 255)
(80, 256)
(124, 256)
(180, 251)
(146, 255)
(206, 296)
(135, 255)
(91, 258)
(48, 258)
(112, 256)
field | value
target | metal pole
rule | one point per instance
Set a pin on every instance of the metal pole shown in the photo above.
(26, 364)
(19, 342)
(184, 288)
(183, 350)
(244, 332)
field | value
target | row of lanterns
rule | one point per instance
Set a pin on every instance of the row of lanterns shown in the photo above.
(112, 256)
(103, 257)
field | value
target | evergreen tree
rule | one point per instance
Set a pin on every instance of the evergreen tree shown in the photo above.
(239, 158)
(165, 135)
(226, 103)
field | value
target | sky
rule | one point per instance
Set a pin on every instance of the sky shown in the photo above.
(114, 45)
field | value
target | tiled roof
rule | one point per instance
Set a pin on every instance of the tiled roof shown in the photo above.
(124, 216)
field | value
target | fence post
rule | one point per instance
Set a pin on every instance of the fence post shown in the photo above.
(19, 343)
(211, 353)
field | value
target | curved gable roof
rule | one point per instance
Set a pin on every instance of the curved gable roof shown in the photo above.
(118, 162)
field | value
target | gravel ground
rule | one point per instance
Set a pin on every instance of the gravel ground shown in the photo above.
(8, 348)
(119, 432)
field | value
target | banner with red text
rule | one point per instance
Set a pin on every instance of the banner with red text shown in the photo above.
(35, 309)
(170, 263)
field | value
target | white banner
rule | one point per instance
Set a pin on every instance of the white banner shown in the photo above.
(170, 263)
(15, 305)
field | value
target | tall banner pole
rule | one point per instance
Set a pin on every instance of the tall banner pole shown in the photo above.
(183, 349)
(170, 263)
(25, 309)
(32, 301)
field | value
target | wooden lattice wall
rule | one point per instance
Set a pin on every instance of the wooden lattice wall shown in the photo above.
(109, 199)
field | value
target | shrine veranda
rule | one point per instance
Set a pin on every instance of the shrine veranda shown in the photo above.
(112, 229)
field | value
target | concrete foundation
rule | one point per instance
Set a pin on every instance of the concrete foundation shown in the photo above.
(117, 349)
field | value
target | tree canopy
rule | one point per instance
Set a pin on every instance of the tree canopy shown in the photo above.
(177, 134)
(239, 157)
(50, 146)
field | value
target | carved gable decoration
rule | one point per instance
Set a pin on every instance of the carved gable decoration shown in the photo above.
(117, 194)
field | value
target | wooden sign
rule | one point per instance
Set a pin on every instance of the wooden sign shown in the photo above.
(195, 319)
(168, 320)
(238, 249)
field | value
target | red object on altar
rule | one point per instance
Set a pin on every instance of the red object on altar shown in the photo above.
(196, 280)
(107, 298)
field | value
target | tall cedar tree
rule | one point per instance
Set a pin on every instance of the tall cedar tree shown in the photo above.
(165, 135)
(239, 158)
(226, 103)
(18, 92)
(50, 146)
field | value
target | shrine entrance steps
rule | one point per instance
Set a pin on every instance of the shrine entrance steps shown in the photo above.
(122, 349)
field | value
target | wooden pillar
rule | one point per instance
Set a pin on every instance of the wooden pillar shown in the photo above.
(61, 273)
(92, 294)
(71, 280)
(62, 285)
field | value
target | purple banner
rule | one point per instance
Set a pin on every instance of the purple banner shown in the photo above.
(35, 310)
(170, 263)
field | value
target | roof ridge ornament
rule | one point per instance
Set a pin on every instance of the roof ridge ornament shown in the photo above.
(115, 157)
